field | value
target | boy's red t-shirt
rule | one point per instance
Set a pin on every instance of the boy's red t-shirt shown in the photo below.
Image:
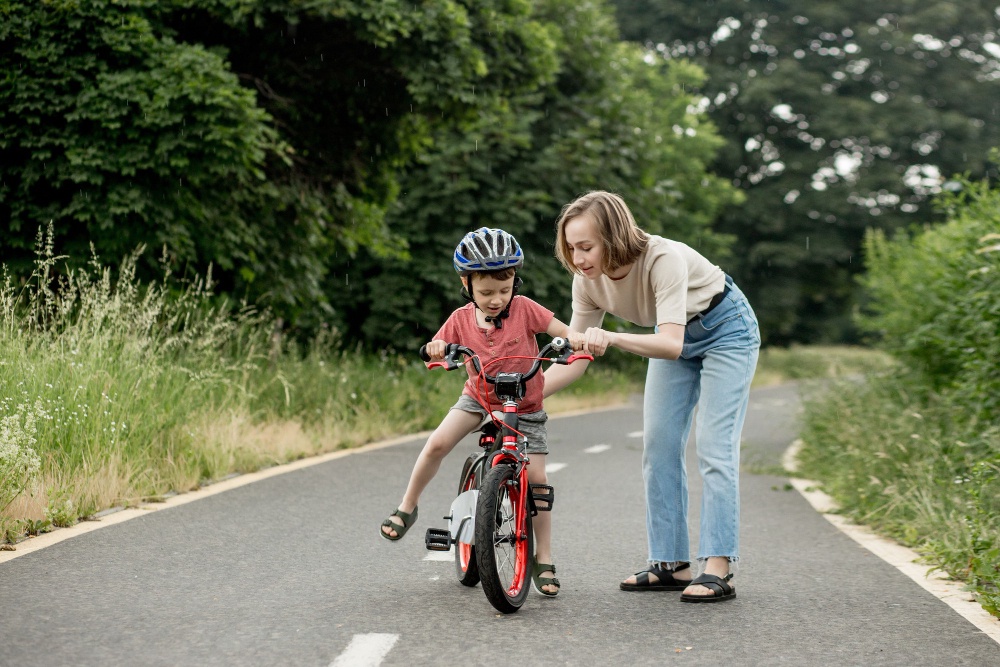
(516, 338)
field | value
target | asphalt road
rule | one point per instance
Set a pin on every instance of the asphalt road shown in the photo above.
(291, 571)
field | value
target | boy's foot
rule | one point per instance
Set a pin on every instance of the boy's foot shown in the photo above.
(543, 577)
(397, 524)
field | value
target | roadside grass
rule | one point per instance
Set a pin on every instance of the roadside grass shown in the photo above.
(817, 362)
(115, 393)
(913, 466)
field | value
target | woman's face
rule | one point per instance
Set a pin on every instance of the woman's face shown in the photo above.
(584, 245)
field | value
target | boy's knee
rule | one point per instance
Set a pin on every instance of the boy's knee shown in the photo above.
(437, 448)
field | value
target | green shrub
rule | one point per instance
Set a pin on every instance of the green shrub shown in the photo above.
(936, 299)
(915, 452)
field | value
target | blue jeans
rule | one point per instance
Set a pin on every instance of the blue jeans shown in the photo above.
(716, 365)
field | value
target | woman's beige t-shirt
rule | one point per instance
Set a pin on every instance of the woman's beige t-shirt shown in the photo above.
(669, 284)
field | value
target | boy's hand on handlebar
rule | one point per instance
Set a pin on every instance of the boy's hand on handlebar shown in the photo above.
(576, 340)
(436, 349)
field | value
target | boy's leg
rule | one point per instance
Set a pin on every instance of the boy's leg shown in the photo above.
(542, 522)
(456, 425)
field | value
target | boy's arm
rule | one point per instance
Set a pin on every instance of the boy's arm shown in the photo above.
(557, 328)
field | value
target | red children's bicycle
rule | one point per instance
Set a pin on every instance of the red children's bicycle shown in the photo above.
(490, 521)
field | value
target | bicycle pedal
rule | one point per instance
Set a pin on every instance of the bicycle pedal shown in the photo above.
(437, 539)
(542, 496)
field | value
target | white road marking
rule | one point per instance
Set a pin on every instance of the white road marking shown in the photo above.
(597, 449)
(366, 650)
(635, 434)
(448, 555)
(554, 467)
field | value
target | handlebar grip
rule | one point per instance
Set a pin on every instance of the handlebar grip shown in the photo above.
(423, 353)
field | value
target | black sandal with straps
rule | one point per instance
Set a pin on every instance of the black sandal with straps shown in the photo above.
(721, 590)
(664, 579)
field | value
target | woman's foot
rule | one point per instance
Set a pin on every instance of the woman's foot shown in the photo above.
(659, 578)
(716, 566)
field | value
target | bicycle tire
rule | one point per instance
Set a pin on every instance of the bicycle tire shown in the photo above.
(466, 566)
(504, 539)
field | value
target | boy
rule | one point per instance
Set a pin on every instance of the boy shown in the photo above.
(496, 323)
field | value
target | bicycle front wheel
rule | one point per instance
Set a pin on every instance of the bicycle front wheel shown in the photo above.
(465, 554)
(504, 539)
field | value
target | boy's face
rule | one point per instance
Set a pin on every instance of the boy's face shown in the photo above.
(490, 294)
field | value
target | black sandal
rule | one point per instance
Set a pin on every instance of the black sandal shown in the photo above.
(665, 579)
(721, 590)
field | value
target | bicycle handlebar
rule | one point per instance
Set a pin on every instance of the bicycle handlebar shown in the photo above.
(559, 345)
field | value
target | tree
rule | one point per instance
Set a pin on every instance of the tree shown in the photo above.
(839, 117)
(611, 119)
(266, 138)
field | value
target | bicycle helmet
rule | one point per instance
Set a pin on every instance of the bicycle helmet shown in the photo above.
(487, 250)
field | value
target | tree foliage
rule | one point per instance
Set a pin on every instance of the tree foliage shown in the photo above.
(935, 298)
(610, 119)
(839, 117)
(266, 138)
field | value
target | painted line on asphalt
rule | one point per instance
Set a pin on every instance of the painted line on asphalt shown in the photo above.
(367, 650)
(554, 467)
(904, 559)
(597, 449)
(448, 555)
(635, 434)
(39, 542)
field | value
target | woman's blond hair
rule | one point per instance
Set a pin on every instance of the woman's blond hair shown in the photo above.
(622, 239)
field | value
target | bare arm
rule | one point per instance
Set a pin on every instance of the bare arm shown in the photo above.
(557, 328)
(667, 343)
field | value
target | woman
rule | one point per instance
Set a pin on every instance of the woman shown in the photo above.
(704, 346)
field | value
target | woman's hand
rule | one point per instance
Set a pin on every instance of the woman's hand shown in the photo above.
(596, 341)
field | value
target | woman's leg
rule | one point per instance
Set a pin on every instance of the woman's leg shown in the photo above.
(671, 394)
(729, 358)
(456, 425)
(725, 392)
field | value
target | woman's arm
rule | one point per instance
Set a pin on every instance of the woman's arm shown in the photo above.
(667, 343)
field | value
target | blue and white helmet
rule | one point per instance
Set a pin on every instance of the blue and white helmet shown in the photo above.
(487, 250)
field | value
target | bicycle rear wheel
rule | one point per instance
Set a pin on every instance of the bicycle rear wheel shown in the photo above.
(465, 554)
(504, 539)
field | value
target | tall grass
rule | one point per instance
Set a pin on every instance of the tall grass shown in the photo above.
(915, 466)
(138, 390)
(124, 392)
(916, 453)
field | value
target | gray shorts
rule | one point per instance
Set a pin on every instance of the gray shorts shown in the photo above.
(531, 424)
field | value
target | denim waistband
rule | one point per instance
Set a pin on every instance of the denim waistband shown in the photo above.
(716, 300)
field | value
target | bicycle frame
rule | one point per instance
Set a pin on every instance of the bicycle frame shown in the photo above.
(462, 530)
